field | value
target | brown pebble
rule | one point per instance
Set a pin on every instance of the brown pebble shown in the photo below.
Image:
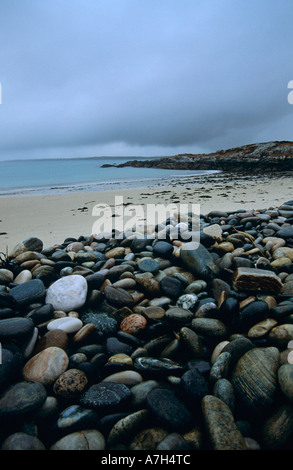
(57, 338)
(133, 324)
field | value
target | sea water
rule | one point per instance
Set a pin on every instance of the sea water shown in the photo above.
(80, 174)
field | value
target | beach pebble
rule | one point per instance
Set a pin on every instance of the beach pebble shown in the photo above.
(66, 324)
(106, 396)
(222, 430)
(28, 292)
(68, 293)
(46, 366)
(89, 439)
(21, 398)
(22, 441)
(70, 383)
(133, 324)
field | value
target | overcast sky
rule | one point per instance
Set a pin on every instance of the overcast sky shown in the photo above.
(143, 77)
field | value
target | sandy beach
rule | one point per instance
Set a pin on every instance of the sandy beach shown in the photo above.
(54, 217)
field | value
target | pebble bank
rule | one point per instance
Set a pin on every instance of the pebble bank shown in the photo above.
(151, 342)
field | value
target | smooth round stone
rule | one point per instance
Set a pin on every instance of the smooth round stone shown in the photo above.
(169, 410)
(57, 338)
(126, 377)
(89, 439)
(120, 359)
(46, 366)
(198, 260)
(194, 287)
(106, 396)
(118, 297)
(29, 244)
(68, 293)
(141, 390)
(149, 265)
(210, 327)
(133, 324)
(187, 301)
(285, 377)
(70, 383)
(221, 428)
(17, 328)
(75, 417)
(285, 233)
(192, 342)
(6, 276)
(127, 426)
(163, 249)
(148, 439)
(83, 333)
(256, 370)
(262, 328)
(114, 346)
(29, 292)
(126, 283)
(67, 324)
(154, 313)
(179, 315)
(22, 441)
(22, 398)
(281, 335)
(171, 287)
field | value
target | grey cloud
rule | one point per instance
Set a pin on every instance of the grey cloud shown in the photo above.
(148, 76)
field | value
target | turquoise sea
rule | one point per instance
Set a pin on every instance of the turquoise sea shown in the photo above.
(45, 176)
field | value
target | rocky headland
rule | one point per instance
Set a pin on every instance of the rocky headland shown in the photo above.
(269, 156)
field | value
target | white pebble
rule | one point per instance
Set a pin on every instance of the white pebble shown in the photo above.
(67, 324)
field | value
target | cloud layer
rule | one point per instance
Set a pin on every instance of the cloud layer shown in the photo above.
(132, 77)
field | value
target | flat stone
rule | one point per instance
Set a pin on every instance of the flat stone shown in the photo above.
(163, 249)
(133, 324)
(127, 426)
(118, 297)
(21, 398)
(89, 439)
(70, 383)
(171, 287)
(22, 441)
(106, 396)
(222, 430)
(17, 328)
(67, 324)
(68, 293)
(126, 377)
(57, 338)
(29, 244)
(29, 292)
(179, 315)
(198, 260)
(149, 265)
(253, 279)
(46, 366)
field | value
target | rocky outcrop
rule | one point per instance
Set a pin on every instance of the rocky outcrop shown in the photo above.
(270, 156)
